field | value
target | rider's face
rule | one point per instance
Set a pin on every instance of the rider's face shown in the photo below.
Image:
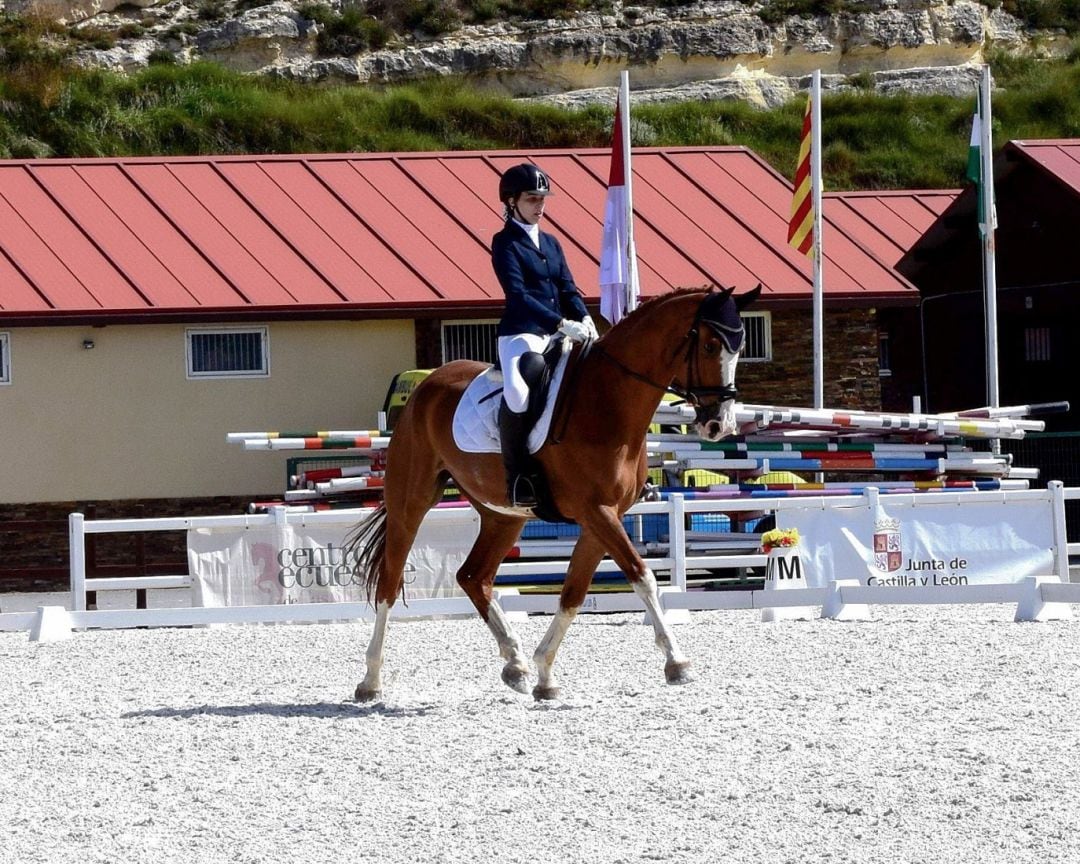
(530, 207)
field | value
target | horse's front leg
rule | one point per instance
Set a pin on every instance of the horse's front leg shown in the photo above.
(579, 574)
(676, 666)
(608, 527)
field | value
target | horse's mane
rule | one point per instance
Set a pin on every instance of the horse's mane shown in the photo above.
(674, 292)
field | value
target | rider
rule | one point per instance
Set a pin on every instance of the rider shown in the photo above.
(541, 300)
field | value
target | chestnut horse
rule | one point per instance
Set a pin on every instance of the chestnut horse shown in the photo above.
(687, 341)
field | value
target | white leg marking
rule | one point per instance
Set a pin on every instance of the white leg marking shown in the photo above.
(372, 682)
(515, 673)
(544, 656)
(665, 638)
(509, 644)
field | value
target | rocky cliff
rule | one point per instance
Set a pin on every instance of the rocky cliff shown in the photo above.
(706, 50)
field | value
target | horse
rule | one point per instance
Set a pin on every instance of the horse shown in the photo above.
(687, 341)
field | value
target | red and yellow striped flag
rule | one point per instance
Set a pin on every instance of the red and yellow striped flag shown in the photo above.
(800, 232)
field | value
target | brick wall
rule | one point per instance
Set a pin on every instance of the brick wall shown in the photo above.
(851, 362)
(34, 540)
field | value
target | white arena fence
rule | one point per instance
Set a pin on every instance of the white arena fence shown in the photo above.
(1036, 597)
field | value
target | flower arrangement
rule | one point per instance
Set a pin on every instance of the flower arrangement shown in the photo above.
(779, 538)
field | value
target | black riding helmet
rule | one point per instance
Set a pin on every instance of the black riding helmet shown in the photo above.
(521, 179)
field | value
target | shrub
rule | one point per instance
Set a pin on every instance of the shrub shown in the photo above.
(482, 11)
(776, 11)
(349, 33)
(1046, 14)
(161, 57)
(210, 10)
(95, 37)
(431, 17)
(184, 28)
(545, 9)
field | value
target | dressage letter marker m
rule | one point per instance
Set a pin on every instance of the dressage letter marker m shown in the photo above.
(781, 567)
(783, 571)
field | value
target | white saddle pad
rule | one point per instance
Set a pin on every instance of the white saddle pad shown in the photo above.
(476, 419)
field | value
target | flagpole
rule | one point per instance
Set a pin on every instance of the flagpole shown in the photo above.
(632, 287)
(815, 192)
(988, 221)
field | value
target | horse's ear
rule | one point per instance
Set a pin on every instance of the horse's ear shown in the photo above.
(724, 292)
(744, 300)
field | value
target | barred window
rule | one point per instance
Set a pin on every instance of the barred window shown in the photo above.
(884, 355)
(1037, 344)
(5, 359)
(228, 353)
(476, 340)
(469, 340)
(758, 347)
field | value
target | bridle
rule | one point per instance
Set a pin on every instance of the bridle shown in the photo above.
(730, 335)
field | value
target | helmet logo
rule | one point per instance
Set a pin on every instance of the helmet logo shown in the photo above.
(542, 182)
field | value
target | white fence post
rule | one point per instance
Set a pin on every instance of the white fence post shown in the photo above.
(677, 540)
(1061, 536)
(77, 561)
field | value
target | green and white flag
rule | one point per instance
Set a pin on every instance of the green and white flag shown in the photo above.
(974, 165)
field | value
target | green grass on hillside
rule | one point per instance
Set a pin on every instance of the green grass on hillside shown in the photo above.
(48, 108)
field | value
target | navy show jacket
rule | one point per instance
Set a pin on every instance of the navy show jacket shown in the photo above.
(539, 289)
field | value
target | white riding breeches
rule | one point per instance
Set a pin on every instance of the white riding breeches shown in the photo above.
(515, 390)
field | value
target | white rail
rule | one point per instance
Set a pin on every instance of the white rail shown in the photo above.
(1031, 594)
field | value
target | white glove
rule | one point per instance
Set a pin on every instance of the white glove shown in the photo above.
(577, 331)
(590, 326)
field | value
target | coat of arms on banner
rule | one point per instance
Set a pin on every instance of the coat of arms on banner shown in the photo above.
(887, 552)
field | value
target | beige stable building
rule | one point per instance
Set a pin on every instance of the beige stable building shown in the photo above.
(150, 306)
(107, 413)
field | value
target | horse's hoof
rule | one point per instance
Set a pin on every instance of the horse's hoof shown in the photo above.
(516, 678)
(545, 694)
(678, 673)
(362, 694)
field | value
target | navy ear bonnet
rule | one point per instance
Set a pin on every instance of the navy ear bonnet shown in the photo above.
(721, 313)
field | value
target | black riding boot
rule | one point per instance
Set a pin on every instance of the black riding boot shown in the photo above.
(513, 437)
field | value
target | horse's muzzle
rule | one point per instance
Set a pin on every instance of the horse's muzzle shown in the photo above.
(716, 421)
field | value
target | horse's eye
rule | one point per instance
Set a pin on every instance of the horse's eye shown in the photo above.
(710, 348)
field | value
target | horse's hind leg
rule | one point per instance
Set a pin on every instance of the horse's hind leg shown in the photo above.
(370, 688)
(498, 533)
(403, 516)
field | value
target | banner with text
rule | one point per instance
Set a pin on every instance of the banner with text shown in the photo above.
(287, 563)
(923, 545)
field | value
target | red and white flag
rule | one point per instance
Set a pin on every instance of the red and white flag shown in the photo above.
(618, 276)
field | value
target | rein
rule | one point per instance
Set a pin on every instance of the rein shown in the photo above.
(561, 414)
(690, 393)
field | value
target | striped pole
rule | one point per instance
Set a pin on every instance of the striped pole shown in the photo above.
(361, 442)
(239, 437)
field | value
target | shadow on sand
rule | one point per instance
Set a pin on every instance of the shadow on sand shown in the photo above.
(327, 710)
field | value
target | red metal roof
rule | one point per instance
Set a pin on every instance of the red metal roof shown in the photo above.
(381, 234)
(887, 224)
(1061, 158)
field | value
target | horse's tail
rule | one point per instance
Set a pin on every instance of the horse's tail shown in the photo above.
(365, 546)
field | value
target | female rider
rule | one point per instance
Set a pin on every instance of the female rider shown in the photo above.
(541, 300)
